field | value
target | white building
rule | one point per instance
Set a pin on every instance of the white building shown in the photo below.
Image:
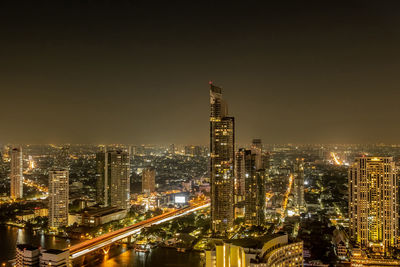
(58, 197)
(54, 257)
(273, 252)
(27, 256)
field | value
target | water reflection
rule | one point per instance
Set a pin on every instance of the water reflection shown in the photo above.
(118, 256)
(156, 257)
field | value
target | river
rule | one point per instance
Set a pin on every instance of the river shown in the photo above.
(122, 256)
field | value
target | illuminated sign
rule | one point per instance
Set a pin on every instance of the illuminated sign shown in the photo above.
(180, 199)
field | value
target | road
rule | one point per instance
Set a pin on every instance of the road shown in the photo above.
(109, 238)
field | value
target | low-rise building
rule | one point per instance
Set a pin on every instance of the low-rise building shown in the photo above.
(93, 217)
(54, 257)
(274, 251)
(27, 215)
(360, 258)
(27, 256)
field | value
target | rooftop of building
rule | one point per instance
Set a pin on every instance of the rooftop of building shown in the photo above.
(253, 242)
(54, 251)
(98, 212)
(26, 247)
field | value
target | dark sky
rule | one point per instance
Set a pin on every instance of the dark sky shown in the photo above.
(138, 72)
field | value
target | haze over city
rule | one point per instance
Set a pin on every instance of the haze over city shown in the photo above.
(128, 72)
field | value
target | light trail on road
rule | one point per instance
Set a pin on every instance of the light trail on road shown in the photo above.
(35, 185)
(336, 159)
(109, 238)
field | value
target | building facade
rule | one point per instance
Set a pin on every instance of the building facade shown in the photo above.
(222, 158)
(27, 256)
(254, 188)
(149, 180)
(240, 173)
(373, 203)
(54, 257)
(113, 178)
(298, 186)
(16, 177)
(274, 251)
(286, 255)
(58, 197)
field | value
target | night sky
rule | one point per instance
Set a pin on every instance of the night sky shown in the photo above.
(138, 72)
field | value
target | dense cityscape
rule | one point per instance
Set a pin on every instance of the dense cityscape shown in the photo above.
(199, 133)
(217, 205)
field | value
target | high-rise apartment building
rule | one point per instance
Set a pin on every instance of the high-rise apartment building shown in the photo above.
(149, 180)
(58, 197)
(373, 203)
(298, 186)
(254, 182)
(113, 178)
(17, 179)
(222, 158)
(240, 173)
(103, 178)
(120, 179)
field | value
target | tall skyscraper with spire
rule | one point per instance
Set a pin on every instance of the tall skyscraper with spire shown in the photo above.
(373, 203)
(222, 158)
(17, 179)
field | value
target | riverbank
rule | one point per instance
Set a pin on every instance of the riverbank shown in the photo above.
(122, 255)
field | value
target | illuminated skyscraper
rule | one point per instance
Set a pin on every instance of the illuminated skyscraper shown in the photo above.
(222, 157)
(373, 203)
(113, 179)
(58, 197)
(298, 185)
(240, 172)
(103, 178)
(254, 182)
(149, 180)
(120, 179)
(17, 179)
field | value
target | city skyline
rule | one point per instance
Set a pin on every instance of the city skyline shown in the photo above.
(282, 62)
(104, 157)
